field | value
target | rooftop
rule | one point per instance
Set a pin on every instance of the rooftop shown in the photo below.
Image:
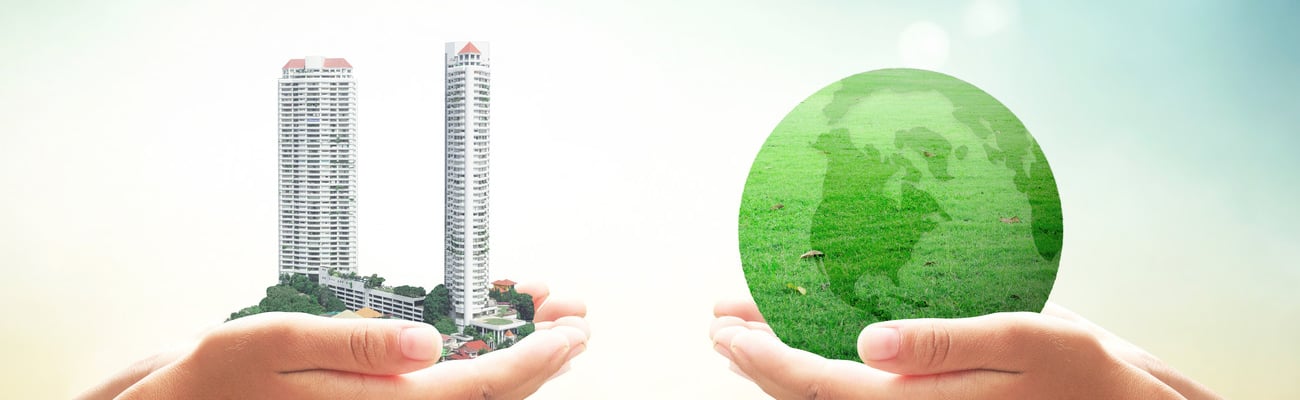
(368, 312)
(300, 63)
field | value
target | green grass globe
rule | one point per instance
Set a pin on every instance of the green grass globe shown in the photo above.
(893, 194)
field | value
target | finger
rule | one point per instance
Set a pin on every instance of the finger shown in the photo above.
(722, 339)
(743, 309)
(1009, 342)
(1064, 313)
(293, 342)
(129, 376)
(1056, 310)
(760, 326)
(538, 290)
(723, 329)
(577, 324)
(559, 307)
(1135, 355)
(787, 373)
(574, 322)
(724, 322)
(512, 373)
(577, 337)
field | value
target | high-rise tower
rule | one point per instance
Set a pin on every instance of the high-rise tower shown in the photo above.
(318, 171)
(468, 81)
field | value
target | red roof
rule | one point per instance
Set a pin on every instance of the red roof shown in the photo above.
(469, 48)
(504, 282)
(475, 346)
(299, 63)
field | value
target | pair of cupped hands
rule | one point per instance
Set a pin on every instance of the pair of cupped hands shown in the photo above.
(1053, 354)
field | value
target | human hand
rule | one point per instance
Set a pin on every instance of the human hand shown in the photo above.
(291, 355)
(1055, 354)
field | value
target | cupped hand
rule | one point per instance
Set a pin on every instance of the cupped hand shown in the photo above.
(291, 355)
(1056, 354)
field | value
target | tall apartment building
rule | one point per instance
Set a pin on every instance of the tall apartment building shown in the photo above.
(318, 171)
(468, 82)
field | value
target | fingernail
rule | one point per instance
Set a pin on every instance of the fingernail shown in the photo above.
(421, 343)
(748, 344)
(718, 347)
(881, 343)
(575, 350)
(573, 335)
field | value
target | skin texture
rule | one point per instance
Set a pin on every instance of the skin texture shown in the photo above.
(1056, 354)
(292, 355)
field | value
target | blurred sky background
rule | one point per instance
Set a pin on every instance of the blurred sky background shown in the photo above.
(138, 164)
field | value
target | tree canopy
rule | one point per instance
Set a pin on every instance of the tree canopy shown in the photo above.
(445, 325)
(374, 281)
(437, 304)
(285, 298)
(294, 293)
(245, 312)
(409, 291)
(521, 302)
(525, 330)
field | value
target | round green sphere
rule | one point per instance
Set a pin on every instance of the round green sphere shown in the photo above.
(895, 194)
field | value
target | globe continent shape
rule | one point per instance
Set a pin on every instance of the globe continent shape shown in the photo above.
(892, 194)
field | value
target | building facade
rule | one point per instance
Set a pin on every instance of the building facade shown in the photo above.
(318, 171)
(467, 136)
(355, 295)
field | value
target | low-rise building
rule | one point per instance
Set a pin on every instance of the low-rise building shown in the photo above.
(355, 295)
(503, 285)
(470, 350)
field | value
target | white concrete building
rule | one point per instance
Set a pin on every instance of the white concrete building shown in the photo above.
(355, 295)
(318, 171)
(468, 83)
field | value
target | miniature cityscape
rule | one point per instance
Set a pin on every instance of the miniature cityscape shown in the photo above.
(318, 210)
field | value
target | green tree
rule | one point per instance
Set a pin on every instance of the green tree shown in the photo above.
(437, 304)
(445, 325)
(522, 302)
(284, 298)
(496, 295)
(245, 312)
(299, 282)
(295, 293)
(327, 299)
(323, 295)
(374, 281)
(409, 291)
(525, 330)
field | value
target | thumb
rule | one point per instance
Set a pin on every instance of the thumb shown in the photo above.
(291, 342)
(1009, 342)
